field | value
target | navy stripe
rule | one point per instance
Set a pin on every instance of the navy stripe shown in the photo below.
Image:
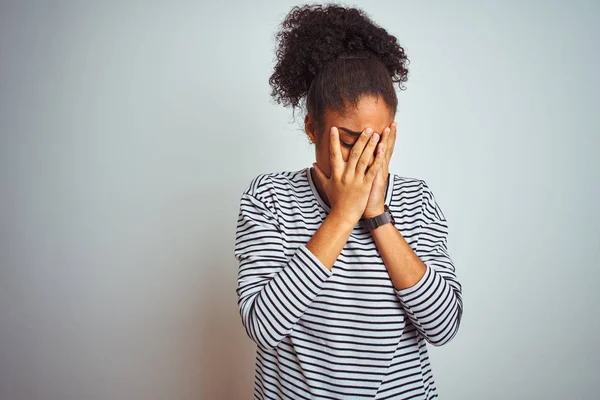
(346, 332)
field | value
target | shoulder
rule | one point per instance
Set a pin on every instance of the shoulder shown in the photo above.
(266, 186)
(416, 193)
(407, 185)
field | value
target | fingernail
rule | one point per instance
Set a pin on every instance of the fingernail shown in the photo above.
(368, 131)
(375, 137)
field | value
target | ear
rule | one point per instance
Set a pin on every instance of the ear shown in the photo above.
(310, 128)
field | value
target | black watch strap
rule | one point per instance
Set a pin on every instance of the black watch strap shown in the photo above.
(381, 219)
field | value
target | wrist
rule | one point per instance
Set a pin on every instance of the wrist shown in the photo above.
(380, 219)
(343, 219)
(374, 213)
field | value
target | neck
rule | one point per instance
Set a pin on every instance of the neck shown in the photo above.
(319, 186)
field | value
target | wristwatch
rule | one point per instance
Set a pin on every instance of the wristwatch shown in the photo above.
(381, 219)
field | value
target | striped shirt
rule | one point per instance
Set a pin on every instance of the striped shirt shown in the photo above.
(344, 333)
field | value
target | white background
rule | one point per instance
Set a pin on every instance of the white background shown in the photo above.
(129, 131)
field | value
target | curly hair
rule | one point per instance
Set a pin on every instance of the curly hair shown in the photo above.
(328, 56)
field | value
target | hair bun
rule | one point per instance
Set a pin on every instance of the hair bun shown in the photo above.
(313, 35)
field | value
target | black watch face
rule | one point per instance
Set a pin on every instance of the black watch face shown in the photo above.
(391, 215)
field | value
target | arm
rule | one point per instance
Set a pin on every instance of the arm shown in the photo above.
(424, 280)
(273, 290)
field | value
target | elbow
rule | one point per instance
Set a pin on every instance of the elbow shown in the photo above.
(261, 337)
(257, 331)
(449, 331)
(441, 340)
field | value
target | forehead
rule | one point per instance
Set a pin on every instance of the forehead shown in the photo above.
(370, 112)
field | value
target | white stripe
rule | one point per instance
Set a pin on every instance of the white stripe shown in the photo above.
(345, 333)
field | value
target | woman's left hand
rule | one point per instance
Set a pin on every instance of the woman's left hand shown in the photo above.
(377, 196)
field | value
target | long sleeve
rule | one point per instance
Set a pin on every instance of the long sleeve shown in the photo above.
(434, 304)
(274, 289)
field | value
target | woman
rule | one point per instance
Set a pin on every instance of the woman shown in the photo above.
(344, 274)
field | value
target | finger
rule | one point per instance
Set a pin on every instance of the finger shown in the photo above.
(391, 142)
(335, 152)
(380, 147)
(385, 136)
(365, 158)
(357, 149)
(376, 166)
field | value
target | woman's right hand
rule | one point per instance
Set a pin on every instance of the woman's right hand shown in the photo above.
(350, 183)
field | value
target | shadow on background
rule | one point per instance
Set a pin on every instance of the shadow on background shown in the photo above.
(225, 355)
